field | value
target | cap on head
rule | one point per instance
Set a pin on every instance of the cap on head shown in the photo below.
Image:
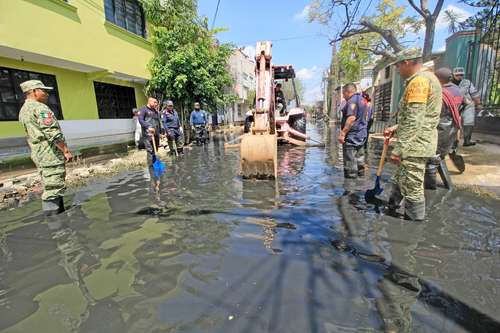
(407, 54)
(443, 74)
(32, 85)
(458, 71)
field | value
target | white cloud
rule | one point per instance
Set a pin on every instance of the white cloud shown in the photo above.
(313, 94)
(249, 50)
(441, 49)
(302, 15)
(462, 15)
(307, 73)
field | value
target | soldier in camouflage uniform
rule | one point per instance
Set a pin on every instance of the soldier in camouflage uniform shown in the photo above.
(416, 130)
(49, 151)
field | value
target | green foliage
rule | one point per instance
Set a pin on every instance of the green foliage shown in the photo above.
(352, 56)
(188, 63)
(287, 88)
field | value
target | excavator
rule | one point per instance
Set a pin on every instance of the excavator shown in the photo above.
(270, 125)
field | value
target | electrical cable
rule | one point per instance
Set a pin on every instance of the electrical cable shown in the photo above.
(215, 15)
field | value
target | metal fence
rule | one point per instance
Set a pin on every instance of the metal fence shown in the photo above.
(483, 63)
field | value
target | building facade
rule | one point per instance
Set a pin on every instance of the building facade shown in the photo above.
(93, 52)
(242, 69)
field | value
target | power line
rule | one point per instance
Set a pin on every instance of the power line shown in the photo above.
(318, 35)
(215, 15)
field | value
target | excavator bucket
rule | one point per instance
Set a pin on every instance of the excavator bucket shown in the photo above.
(259, 156)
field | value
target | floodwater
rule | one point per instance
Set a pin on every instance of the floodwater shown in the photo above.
(201, 250)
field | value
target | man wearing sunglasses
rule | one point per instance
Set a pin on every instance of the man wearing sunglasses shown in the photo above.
(48, 146)
(471, 101)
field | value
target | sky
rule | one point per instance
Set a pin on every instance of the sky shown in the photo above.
(296, 41)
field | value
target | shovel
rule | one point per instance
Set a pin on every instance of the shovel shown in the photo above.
(458, 161)
(370, 194)
(158, 166)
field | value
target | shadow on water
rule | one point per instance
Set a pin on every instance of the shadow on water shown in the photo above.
(201, 250)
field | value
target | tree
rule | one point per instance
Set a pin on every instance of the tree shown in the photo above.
(483, 15)
(453, 19)
(353, 55)
(188, 64)
(289, 92)
(386, 29)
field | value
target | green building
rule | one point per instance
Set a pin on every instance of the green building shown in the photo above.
(93, 52)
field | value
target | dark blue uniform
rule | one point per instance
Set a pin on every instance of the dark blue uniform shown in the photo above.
(172, 126)
(150, 118)
(353, 150)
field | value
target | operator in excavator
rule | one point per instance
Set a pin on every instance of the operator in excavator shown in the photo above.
(279, 98)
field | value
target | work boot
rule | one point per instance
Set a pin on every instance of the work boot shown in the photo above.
(53, 206)
(395, 199)
(430, 182)
(468, 136)
(414, 211)
(431, 168)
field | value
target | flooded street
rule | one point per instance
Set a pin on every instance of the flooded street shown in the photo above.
(201, 250)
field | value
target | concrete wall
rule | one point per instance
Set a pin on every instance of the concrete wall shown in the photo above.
(78, 133)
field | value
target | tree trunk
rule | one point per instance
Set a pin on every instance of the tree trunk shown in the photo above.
(430, 30)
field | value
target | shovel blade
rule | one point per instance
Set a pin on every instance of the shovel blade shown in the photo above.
(377, 190)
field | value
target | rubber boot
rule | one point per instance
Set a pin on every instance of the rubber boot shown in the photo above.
(445, 175)
(468, 136)
(414, 211)
(395, 198)
(430, 182)
(53, 206)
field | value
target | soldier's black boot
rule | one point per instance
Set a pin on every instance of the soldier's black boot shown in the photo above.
(60, 203)
(53, 206)
(50, 207)
(414, 211)
(394, 200)
(430, 182)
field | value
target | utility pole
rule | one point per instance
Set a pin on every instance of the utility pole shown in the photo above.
(332, 82)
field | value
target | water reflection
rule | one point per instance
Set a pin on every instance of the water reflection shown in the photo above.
(201, 250)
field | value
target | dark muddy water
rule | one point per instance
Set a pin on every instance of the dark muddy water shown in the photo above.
(201, 250)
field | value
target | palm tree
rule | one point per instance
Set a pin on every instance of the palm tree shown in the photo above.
(453, 19)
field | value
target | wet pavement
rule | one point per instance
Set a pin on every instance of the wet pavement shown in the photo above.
(201, 250)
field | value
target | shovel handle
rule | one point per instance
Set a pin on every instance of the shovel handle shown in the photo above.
(382, 157)
(154, 143)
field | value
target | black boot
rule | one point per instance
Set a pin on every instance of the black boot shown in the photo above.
(468, 136)
(395, 199)
(53, 206)
(414, 211)
(430, 182)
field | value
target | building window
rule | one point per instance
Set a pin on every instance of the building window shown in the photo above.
(114, 101)
(12, 98)
(127, 14)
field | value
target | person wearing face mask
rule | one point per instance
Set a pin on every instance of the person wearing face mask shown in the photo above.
(471, 101)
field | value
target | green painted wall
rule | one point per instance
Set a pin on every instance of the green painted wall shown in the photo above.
(76, 93)
(457, 49)
(75, 32)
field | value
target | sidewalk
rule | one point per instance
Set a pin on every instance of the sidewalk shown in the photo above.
(482, 171)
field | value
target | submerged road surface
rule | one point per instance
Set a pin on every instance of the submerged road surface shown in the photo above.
(201, 250)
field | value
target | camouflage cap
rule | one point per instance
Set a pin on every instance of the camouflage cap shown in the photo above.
(33, 84)
(407, 54)
(458, 71)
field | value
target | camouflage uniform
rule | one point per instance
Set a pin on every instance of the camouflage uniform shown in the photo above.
(417, 120)
(43, 133)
